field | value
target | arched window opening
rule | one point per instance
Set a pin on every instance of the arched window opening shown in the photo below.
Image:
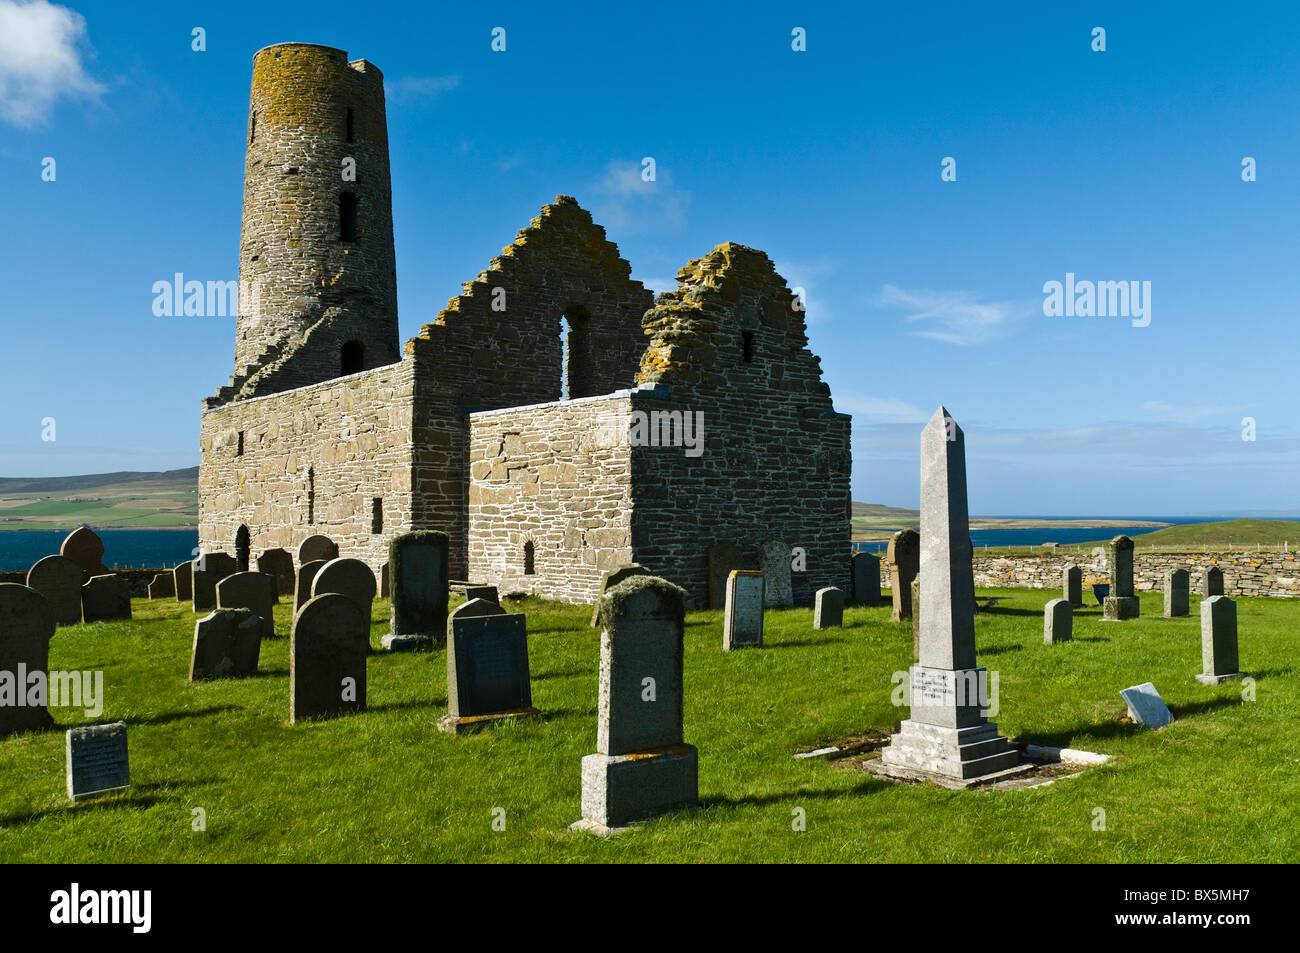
(353, 357)
(243, 546)
(351, 134)
(348, 217)
(529, 565)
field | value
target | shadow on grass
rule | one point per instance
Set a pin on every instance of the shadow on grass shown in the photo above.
(563, 673)
(414, 703)
(168, 717)
(1267, 673)
(801, 643)
(132, 801)
(1201, 708)
(869, 786)
(998, 610)
(1000, 649)
(1097, 732)
(1091, 638)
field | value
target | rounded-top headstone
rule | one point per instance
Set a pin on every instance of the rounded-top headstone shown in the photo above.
(84, 547)
(26, 627)
(327, 657)
(58, 579)
(317, 547)
(348, 577)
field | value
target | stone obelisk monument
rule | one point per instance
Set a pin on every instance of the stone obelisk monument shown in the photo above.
(947, 739)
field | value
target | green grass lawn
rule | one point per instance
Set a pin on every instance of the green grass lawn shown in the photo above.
(1222, 784)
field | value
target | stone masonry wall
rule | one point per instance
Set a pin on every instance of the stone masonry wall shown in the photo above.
(555, 475)
(345, 442)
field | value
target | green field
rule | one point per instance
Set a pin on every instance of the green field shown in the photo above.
(1222, 784)
(106, 501)
(1205, 536)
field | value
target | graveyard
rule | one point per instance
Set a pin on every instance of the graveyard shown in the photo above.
(384, 784)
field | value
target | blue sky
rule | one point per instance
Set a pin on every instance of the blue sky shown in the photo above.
(1122, 165)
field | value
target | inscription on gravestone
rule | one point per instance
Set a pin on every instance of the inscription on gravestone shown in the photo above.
(487, 667)
(742, 622)
(97, 760)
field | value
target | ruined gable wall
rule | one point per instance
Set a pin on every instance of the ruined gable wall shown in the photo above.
(556, 475)
(355, 434)
(776, 458)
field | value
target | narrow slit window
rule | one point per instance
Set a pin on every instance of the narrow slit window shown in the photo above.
(529, 566)
(377, 515)
(311, 496)
(239, 445)
(748, 340)
(348, 217)
(351, 133)
(252, 127)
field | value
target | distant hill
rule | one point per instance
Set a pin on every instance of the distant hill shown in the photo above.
(1242, 532)
(128, 500)
(880, 511)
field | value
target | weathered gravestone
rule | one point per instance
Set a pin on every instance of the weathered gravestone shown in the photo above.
(1121, 604)
(418, 573)
(328, 646)
(947, 739)
(641, 767)
(486, 593)
(1145, 706)
(608, 581)
(250, 590)
(348, 577)
(723, 559)
(208, 570)
(1177, 584)
(317, 547)
(162, 586)
(828, 608)
(1072, 585)
(1058, 621)
(487, 667)
(227, 644)
(302, 585)
(742, 620)
(84, 547)
(904, 560)
(1211, 582)
(183, 581)
(774, 563)
(59, 580)
(279, 564)
(866, 578)
(26, 627)
(97, 760)
(1218, 641)
(105, 598)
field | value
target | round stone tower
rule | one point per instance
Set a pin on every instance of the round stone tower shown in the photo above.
(318, 284)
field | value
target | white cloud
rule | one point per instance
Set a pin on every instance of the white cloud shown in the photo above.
(409, 89)
(960, 317)
(879, 410)
(41, 60)
(1182, 414)
(627, 202)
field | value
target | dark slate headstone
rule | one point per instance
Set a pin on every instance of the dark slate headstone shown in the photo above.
(641, 766)
(227, 644)
(302, 585)
(1177, 586)
(105, 598)
(828, 608)
(774, 563)
(1121, 566)
(608, 581)
(208, 570)
(183, 581)
(250, 590)
(385, 589)
(486, 593)
(278, 563)
(317, 547)
(84, 547)
(26, 627)
(487, 667)
(162, 586)
(418, 576)
(1212, 582)
(348, 577)
(327, 658)
(723, 559)
(865, 569)
(59, 580)
(904, 559)
(97, 760)
(1072, 585)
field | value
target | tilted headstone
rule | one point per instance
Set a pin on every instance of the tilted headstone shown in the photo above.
(1218, 641)
(774, 563)
(227, 644)
(418, 571)
(183, 581)
(250, 590)
(162, 586)
(106, 598)
(208, 570)
(84, 547)
(487, 667)
(866, 578)
(608, 581)
(1145, 706)
(317, 547)
(97, 760)
(278, 563)
(1211, 582)
(302, 584)
(1058, 621)
(641, 767)
(947, 735)
(723, 559)
(1121, 604)
(904, 560)
(486, 593)
(1072, 585)
(26, 627)
(828, 608)
(1177, 585)
(742, 620)
(327, 658)
(59, 580)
